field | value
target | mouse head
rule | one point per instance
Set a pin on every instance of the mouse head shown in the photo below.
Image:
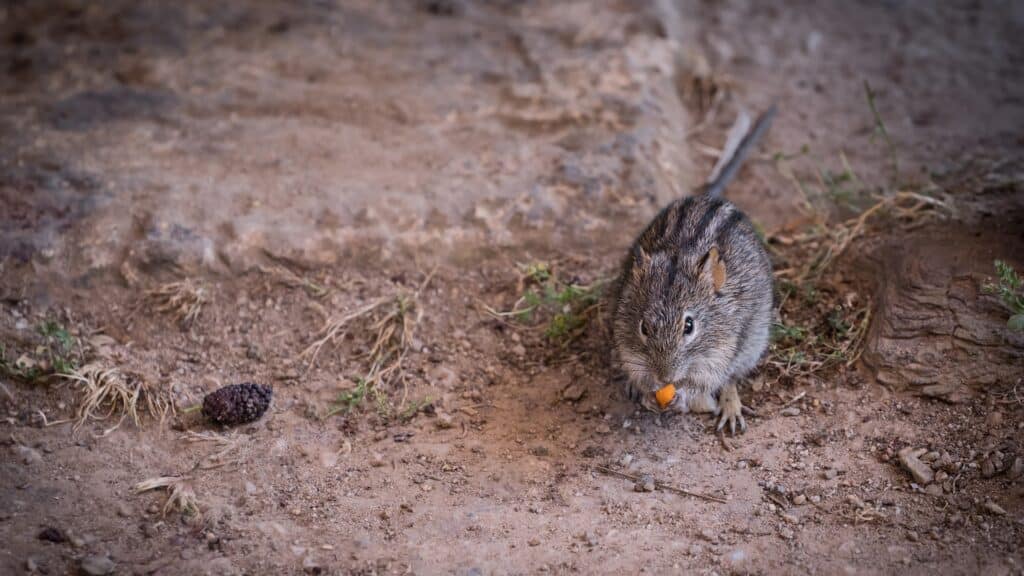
(670, 314)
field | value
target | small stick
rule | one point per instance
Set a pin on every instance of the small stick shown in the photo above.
(796, 398)
(662, 485)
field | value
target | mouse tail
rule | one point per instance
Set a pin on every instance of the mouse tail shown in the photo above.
(740, 142)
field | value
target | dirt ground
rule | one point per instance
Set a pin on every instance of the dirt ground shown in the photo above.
(288, 163)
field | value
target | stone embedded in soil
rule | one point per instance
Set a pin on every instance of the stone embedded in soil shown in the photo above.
(28, 455)
(97, 565)
(444, 421)
(994, 508)
(51, 534)
(921, 472)
(574, 392)
(1016, 469)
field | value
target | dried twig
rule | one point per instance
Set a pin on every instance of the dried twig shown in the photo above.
(661, 485)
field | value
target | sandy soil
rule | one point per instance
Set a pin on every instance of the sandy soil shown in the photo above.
(300, 160)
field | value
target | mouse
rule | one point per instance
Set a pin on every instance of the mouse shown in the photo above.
(693, 304)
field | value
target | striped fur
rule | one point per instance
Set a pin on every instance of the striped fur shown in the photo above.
(668, 277)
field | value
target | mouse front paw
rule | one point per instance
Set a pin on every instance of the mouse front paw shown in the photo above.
(730, 409)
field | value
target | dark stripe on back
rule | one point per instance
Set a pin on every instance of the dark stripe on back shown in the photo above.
(706, 219)
(729, 224)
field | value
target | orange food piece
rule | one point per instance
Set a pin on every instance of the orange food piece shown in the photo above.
(665, 395)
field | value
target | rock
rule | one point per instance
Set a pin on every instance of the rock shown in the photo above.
(799, 499)
(51, 534)
(376, 460)
(921, 472)
(994, 419)
(791, 411)
(603, 429)
(626, 460)
(519, 350)
(644, 484)
(574, 392)
(1016, 469)
(96, 565)
(31, 566)
(831, 473)
(444, 421)
(913, 536)
(311, 566)
(124, 510)
(941, 476)
(933, 489)
(786, 533)
(939, 332)
(988, 468)
(994, 508)
(443, 377)
(28, 456)
(534, 542)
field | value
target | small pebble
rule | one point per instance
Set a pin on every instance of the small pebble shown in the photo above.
(534, 542)
(97, 565)
(1016, 469)
(376, 460)
(791, 411)
(994, 508)
(921, 472)
(799, 499)
(444, 421)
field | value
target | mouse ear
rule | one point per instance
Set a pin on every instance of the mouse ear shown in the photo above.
(714, 269)
(641, 263)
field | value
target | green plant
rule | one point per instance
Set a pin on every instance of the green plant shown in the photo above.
(1008, 288)
(60, 348)
(569, 305)
(349, 399)
(58, 353)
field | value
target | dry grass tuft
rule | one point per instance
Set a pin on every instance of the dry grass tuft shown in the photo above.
(181, 496)
(109, 389)
(293, 280)
(391, 322)
(226, 449)
(820, 327)
(184, 299)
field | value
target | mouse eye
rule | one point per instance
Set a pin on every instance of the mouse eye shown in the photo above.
(688, 326)
(644, 330)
